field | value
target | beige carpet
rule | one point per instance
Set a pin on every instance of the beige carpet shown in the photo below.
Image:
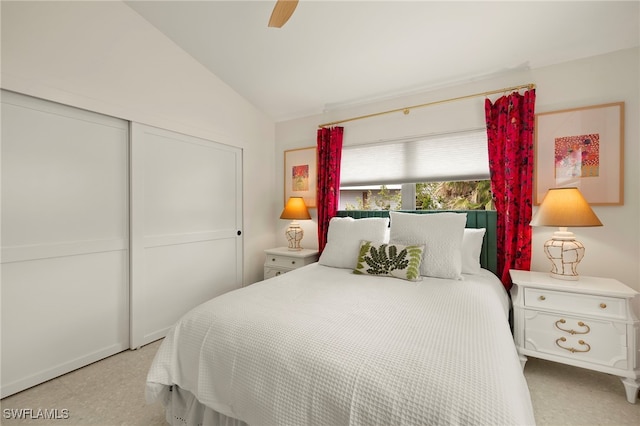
(107, 393)
(111, 392)
(565, 395)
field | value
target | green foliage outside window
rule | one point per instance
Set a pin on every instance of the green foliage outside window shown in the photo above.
(384, 199)
(457, 195)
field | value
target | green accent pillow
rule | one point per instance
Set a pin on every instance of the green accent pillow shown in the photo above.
(390, 260)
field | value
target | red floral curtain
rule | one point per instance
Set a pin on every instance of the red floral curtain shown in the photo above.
(329, 156)
(510, 126)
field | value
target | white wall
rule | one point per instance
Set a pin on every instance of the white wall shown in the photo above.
(104, 57)
(612, 250)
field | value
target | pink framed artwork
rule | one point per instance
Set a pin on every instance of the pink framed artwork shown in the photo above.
(300, 175)
(581, 147)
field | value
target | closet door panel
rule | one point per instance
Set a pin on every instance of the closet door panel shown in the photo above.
(46, 335)
(186, 183)
(62, 184)
(64, 239)
(189, 274)
(186, 217)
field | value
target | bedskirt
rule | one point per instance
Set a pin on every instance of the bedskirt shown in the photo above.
(182, 408)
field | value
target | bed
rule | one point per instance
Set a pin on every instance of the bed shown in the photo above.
(394, 325)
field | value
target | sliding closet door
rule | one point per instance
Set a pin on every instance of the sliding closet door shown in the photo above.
(65, 300)
(186, 216)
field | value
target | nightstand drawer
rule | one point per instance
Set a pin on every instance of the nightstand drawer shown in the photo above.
(280, 260)
(595, 341)
(601, 306)
(270, 272)
(283, 261)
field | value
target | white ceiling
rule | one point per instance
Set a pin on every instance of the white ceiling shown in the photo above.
(333, 53)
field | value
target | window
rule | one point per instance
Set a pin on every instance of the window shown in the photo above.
(456, 195)
(438, 158)
(452, 172)
(452, 195)
(372, 197)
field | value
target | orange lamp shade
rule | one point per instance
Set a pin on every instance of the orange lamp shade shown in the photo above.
(295, 209)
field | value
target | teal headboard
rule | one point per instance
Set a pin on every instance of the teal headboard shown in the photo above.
(475, 219)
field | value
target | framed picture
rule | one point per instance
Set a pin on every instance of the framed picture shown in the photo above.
(581, 147)
(300, 175)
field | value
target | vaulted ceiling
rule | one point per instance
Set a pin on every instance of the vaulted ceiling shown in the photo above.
(333, 53)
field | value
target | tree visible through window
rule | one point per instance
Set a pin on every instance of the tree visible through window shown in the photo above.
(459, 195)
(384, 198)
(456, 195)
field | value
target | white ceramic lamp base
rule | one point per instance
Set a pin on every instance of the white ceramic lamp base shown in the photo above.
(294, 235)
(565, 253)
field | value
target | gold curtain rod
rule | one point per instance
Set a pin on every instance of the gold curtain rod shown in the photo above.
(406, 110)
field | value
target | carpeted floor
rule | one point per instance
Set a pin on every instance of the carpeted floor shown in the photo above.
(111, 392)
(565, 395)
(106, 393)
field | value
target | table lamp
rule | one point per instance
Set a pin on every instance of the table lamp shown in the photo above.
(564, 207)
(295, 210)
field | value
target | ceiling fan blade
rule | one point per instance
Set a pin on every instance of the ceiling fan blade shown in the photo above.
(282, 11)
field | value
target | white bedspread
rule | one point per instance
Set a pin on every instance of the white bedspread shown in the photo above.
(322, 346)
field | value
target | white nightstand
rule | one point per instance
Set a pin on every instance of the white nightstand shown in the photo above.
(281, 260)
(587, 323)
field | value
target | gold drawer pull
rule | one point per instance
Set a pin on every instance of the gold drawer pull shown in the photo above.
(603, 305)
(580, 323)
(542, 298)
(573, 350)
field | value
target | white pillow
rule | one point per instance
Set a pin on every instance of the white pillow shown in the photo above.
(440, 233)
(471, 248)
(344, 237)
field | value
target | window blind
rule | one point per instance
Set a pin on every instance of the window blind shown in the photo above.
(439, 158)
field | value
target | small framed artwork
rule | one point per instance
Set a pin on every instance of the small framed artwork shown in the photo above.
(581, 147)
(300, 175)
